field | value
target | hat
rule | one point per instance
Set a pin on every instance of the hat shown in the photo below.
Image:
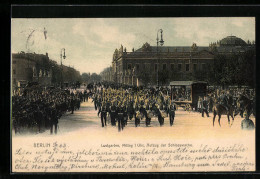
(245, 114)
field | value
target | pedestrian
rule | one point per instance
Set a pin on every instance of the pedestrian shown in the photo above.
(247, 124)
(199, 104)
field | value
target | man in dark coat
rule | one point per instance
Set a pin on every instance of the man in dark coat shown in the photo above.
(38, 117)
(113, 114)
(172, 109)
(103, 111)
(158, 113)
(54, 119)
(247, 124)
(72, 104)
(205, 107)
(223, 99)
(120, 117)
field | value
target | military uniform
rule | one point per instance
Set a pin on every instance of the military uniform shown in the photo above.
(103, 111)
(205, 107)
(113, 114)
(120, 117)
(172, 109)
(54, 120)
(224, 101)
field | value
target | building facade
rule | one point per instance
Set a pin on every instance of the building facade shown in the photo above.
(151, 65)
(31, 67)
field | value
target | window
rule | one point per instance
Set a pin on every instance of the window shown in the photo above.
(209, 67)
(164, 66)
(147, 66)
(203, 66)
(137, 67)
(194, 67)
(155, 67)
(14, 62)
(14, 71)
(187, 67)
(179, 67)
(129, 66)
(172, 66)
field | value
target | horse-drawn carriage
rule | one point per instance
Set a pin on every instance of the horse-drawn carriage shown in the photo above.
(186, 93)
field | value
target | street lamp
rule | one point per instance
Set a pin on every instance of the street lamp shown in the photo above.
(64, 56)
(161, 43)
(133, 73)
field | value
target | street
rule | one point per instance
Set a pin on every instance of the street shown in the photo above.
(82, 131)
(187, 125)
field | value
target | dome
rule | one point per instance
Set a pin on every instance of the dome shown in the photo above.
(232, 41)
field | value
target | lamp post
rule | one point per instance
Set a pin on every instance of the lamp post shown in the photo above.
(133, 73)
(64, 56)
(161, 43)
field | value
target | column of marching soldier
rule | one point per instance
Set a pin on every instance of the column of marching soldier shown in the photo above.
(38, 109)
(125, 104)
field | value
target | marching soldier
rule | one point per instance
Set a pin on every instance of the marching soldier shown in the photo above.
(95, 100)
(172, 109)
(103, 111)
(113, 114)
(125, 114)
(54, 119)
(120, 117)
(158, 113)
(72, 104)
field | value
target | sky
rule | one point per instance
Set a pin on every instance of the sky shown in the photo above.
(91, 42)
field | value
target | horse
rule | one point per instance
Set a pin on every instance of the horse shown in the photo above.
(219, 109)
(244, 104)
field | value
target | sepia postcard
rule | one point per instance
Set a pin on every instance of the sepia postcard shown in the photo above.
(133, 94)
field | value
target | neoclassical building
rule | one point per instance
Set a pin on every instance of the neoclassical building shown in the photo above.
(150, 64)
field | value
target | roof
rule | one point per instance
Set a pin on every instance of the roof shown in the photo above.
(174, 48)
(165, 55)
(232, 41)
(185, 83)
(234, 48)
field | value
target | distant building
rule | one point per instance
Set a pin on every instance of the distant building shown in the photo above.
(147, 64)
(30, 67)
(70, 75)
(106, 74)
